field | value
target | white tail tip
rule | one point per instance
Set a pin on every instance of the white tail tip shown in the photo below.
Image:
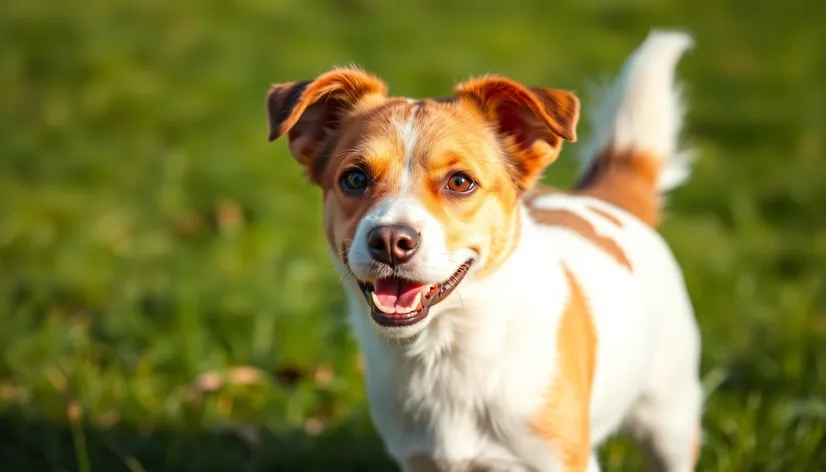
(643, 111)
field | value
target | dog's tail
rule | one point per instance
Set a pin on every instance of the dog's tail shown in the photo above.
(634, 158)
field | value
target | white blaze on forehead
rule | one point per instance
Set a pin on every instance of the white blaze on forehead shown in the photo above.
(409, 132)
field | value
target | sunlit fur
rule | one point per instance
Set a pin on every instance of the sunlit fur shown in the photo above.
(573, 320)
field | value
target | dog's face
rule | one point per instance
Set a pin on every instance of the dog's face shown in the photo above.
(420, 194)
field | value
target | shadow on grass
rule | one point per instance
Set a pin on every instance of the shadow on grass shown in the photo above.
(29, 444)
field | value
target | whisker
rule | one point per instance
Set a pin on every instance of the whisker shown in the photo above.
(343, 277)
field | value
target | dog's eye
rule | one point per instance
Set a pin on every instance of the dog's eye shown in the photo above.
(354, 180)
(460, 183)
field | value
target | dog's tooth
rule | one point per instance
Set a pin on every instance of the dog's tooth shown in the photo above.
(381, 307)
(417, 302)
(413, 306)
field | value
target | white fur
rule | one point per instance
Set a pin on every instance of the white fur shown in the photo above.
(643, 109)
(463, 386)
(409, 134)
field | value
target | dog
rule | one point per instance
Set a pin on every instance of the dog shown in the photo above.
(505, 325)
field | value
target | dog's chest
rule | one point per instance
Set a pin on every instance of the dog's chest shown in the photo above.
(459, 412)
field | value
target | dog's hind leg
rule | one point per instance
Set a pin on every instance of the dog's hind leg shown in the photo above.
(666, 418)
(666, 424)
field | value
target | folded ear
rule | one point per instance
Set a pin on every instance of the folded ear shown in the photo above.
(310, 111)
(532, 121)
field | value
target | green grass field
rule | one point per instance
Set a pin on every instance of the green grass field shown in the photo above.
(153, 243)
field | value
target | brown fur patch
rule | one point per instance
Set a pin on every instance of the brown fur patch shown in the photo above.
(613, 219)
(626, 179)
(582, 227)
(564, 418)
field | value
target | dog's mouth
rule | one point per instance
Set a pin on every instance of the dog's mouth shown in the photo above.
(399, 302)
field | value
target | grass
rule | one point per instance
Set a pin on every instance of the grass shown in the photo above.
(166, 298)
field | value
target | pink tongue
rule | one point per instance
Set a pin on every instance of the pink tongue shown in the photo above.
(397, 293)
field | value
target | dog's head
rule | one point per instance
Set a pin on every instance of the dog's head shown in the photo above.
(419, 194)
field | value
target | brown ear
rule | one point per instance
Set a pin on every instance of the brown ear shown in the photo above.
(310, 111)
(532, 121)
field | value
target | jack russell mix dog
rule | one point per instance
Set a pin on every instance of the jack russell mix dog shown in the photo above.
(506, 326)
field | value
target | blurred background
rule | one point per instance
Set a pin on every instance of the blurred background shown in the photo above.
(166, 297)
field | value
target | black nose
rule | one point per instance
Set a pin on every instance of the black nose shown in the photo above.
(392, 244)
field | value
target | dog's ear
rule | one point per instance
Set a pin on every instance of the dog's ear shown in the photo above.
(532, 122)
(310, 111)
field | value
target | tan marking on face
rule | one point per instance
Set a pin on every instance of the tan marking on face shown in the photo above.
(449, 138)
(613, 219)
(563, 420)
(367, 143)
(453, 137)
(582, 227)
(627, 180)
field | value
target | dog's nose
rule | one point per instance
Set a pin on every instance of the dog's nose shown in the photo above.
(392, 244)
